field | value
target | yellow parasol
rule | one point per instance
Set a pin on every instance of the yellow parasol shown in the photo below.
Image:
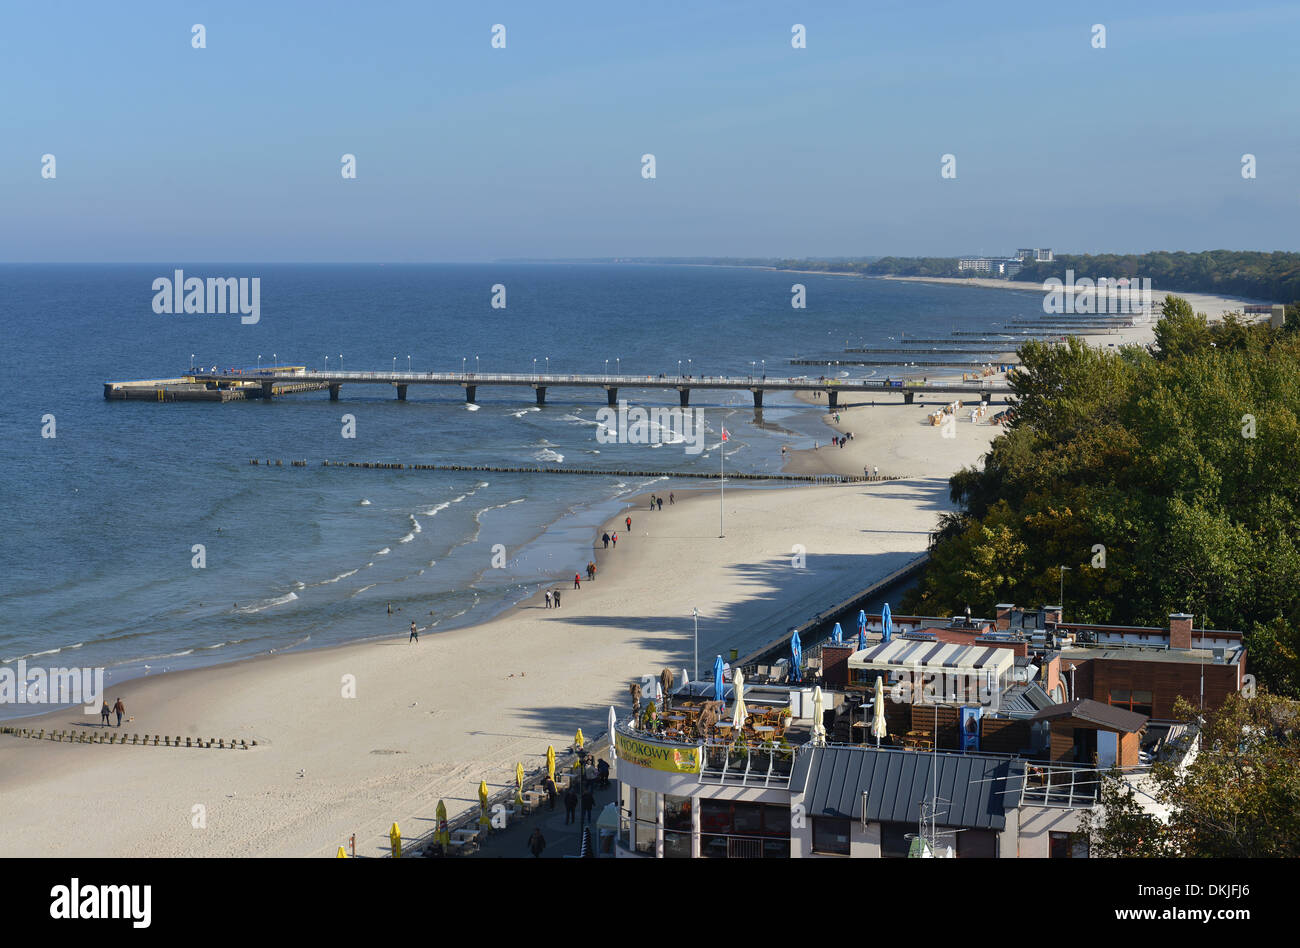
(395, 840)
(550, 761)
(519, 784)
(578, 738)
(482, 803)
(444, 837)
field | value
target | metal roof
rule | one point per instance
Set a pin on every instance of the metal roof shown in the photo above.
(1085, 709)
(911, 654)
(974, 791)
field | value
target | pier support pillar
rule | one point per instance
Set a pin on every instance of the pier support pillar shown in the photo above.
(684, 396)
(611, 393)
(471, 392)
(401, 393)
(541, 394)
(758, 399)
(909, 397)
(267, 388)
(832, 398)
(334, 392)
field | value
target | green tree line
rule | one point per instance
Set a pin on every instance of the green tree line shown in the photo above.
(1165, 480)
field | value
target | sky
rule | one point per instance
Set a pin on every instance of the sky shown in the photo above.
(465, 152)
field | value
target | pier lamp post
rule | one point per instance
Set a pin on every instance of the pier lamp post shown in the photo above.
(259, 362)
(689, 370)
(582, 787)
(462, 365)
(763, 362)
(679, 368)
(476, 372)
(275, 360)
(751, 369)
(607, 367)
(327, 363)
(618, 366)
(548, 365)
(191, 361)
(534, 365)
(408, 363)
(394, 365)
(340, 362)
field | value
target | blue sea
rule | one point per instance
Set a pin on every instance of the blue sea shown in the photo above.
(99, 522)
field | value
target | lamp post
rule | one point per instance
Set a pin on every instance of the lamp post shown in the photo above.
(1063, 570)
(191, 361)
(394, 365)
(679, 368)
(582, 789)
(408, 363)
(462, 365)
(695, 614)
(327, 363)
(764, 364)
(259, 362)
(534, 365)
(476, 371)
(340, 362)
(606, 372)
(618, 366)
(275, 360)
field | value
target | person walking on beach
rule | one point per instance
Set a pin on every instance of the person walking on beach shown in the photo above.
(548, 599)
(671, 501)
(661, 503)
(120, 708)
(536, 842)
(104, 712)
(570, 805)
(628, 521)
(577, 581)
(557, 599)
(614, 539)
(605, 539)
(414, 636)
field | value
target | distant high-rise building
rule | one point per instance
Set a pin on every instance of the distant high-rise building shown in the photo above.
(1034, 255)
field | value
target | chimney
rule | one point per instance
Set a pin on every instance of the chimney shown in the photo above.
(1180, 630)
(1050, 614)
(1051, 673)
(1003, 621)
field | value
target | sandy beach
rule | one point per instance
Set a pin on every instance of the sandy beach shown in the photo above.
(430, 719)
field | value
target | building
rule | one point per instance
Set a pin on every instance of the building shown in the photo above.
(998, 736)
(1034, 255)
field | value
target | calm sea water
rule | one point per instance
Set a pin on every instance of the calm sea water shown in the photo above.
(98, 523)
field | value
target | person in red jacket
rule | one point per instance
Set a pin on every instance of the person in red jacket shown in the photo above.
(577, 584)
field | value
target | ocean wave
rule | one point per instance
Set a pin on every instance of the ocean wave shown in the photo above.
(546, 454)
(470, 406)
(364, 502)
(339, 576)
(48, 651)
(385, 551)
(267, 604)
(523, 411)
(363, 589)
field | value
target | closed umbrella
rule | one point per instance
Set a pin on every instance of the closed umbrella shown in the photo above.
(819, 727)
(717, 678)
(444, 837)
(550, 761)
(796, 655)
(613, 744)
(886, 624)
(862, 629)
(837, 634)
(578, 738)
(878, 722)
(482, 803)
(519, 784)
(738, 684)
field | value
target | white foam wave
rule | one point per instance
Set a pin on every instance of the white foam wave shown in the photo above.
(546, 454)
(267, 604)
(384, 552)
(364, 502)
(363, 589)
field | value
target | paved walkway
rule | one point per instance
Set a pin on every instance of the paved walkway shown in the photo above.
(561, 840)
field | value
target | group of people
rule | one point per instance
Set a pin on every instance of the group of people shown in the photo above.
(607, 538)
(656, 503)
(840, 441)
(105, 711)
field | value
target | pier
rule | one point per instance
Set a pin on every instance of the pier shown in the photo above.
(269, 383)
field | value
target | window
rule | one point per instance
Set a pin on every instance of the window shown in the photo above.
(677, 845)
(677, 813)
(1067, 846)
(893, 840)
(646, 818)
(830, 835)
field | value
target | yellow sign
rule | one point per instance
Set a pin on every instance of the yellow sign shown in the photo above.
(676, 760)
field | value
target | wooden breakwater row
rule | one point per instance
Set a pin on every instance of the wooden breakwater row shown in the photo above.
(96, 736)
(588, 472)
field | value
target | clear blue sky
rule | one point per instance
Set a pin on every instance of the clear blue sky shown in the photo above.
(465, 152)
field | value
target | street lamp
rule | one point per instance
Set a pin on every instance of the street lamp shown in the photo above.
(275, 360)
(394, 365)
(695, 614)
(618, 366)
(327, 363)
(679, 368)
(534, 365)
(764, 364)
(607, 367)
(476, 372)
(1063, 571)
(259, 362)
(191, 361)
(548, 365)
(340, 362)
(462, 365)
(408, 363)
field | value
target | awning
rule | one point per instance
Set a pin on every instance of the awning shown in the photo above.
(930, 655)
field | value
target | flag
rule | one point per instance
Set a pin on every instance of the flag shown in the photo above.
(725, 434)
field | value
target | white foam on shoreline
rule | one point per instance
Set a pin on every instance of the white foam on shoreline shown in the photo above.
(267, 604)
